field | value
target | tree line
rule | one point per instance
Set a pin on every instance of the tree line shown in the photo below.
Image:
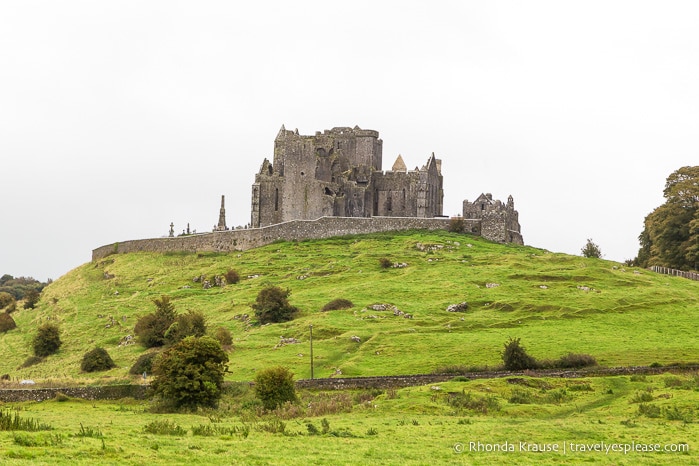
(20, 287)
(670, 236)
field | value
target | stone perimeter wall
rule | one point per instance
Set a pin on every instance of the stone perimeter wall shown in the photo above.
(107, 392)
(295, 230)
(139, 392)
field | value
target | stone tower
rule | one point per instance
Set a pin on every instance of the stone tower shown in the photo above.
(222, 216)
(338, 173)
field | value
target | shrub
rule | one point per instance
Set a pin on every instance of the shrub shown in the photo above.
(272, 305)
(223, 335)
(232, 277)
(6, 299)
(6, 322)
(516, 358)
(457, 224)
(190, 373)
(150, 329)
(31, 297)
(11, 308)
(337, 304)
(575, 361)
(47, 340)
(144, 363)
(385, 263)
(191, 324)
(274, 387)
(97, 360)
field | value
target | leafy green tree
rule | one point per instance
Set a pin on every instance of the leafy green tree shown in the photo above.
(150, 329)
(191, 324)
(190, 373)
(47, 340)
(31, 297)
(274, 387)
(670, 236)
(272, 305)
(591, 249)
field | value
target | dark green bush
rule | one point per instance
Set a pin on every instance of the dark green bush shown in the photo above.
(272, 305)
(274, 387)
(337, 304)
(385, 263)
(190, 373)
(150, 329)
(11, 308)
(232, 277)
(97, 360)
(515, 357)
(6, 322)
(575, 361)
(47, 340)
(223, 335)
(144, 363)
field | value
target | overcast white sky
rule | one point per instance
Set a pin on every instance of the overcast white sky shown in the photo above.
(117, 118)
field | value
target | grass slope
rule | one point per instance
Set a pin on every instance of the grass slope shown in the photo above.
(555, 303)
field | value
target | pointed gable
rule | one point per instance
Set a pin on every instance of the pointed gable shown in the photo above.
(399, 165)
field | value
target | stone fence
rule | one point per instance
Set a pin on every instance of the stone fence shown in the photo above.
(139, 392)
(107, 392)
(401, 381)
(675, 272)
(295, 230)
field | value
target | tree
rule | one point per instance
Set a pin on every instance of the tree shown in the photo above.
(31, 297)
(150, 329)
(591, 249)
(670, 235)
(191, 324)
(272, 305)
(516, 358)
(274, 387)
(47, 340)
(190, 373)
(6, 299)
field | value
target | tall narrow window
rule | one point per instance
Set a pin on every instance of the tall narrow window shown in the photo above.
(276, 199)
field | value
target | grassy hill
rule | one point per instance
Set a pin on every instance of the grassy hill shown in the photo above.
(555, 303)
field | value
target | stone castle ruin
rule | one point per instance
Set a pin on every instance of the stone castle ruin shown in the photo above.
(338, 173)
(333, 184)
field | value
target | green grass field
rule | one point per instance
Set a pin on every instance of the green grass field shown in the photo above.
(445, 423)
(555, 303)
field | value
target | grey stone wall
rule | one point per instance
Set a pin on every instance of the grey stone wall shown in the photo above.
(108, 392)
(295, 230)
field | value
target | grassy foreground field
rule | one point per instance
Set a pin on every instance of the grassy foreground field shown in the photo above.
(499, 421)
